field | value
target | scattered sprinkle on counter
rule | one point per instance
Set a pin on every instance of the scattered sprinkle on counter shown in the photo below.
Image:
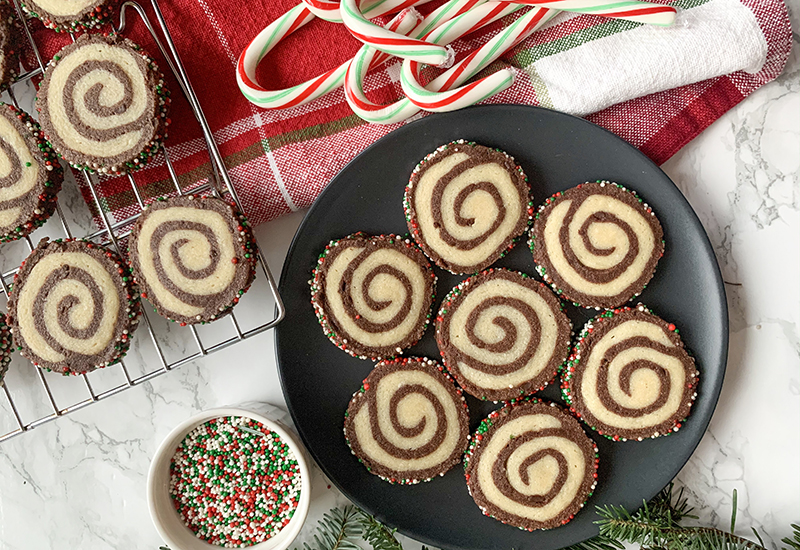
(234, 482)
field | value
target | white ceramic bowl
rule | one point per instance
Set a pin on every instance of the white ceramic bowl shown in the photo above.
(166, 519)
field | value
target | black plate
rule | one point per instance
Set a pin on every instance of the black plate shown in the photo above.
(557, 151)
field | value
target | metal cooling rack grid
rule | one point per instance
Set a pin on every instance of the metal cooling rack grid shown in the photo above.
(190, 342)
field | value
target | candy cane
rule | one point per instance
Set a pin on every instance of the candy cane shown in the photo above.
(324, 9)
(267, 39)
(388, 41)
(359, 67)
(436, 29)
(470, 21)
(640, 12)
(329, 9)
(441, 15)
(433, 32)
(476, 91)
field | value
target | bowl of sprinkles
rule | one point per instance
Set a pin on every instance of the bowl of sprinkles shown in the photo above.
(229, 478)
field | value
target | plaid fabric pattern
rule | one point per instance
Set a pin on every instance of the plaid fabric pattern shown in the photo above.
(281, 160)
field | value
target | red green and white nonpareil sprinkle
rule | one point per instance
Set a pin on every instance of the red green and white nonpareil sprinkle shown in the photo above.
(234, 482)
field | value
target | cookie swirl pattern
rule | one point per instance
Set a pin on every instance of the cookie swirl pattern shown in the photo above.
(103, 104)
(629, 376)
(373, 295)
(502, 334)
(73, 306)
(531, 465)
(30, 175)
(408, 422)
(194, 257)
(465, 204)
(597, 244)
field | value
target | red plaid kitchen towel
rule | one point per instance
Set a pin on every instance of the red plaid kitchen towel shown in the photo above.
(657, 91)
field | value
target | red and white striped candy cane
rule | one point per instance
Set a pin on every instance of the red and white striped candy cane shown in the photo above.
(311, 89)
(631, 10)
(329, 9)
(442, 14)
(390, 42)
(457, 98)
(639, 12)
(467, 17)
(436, 30)
(324, 9)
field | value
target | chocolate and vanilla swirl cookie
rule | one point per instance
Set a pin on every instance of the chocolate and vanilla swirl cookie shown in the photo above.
(597, 244)
(629, 376)
(408, 422)
(71, 15)
(73, 306)
(502, 334)
(103, 104)
(465, 204)
(30, 175)
(373, 295)
(193, 257)
(9, 44)
(531, 465)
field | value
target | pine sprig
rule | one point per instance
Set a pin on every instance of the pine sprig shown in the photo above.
(794, 542)
(656, 526)
(378, 535)
(673, 507)
(344, 528)
(337, 530)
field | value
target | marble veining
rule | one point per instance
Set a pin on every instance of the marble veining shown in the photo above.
(79, 482)
(741, 176)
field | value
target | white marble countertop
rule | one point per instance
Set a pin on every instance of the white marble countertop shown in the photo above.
(79, 482)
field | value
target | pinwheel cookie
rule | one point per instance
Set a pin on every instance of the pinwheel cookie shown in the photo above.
(71, 15)
(30, 175)
(73, 306)
(531, 465)
(465, 204)
(103, 104)
(408, 423)
(502, 334)
(629, 376)
(597, 244)
(193, 257)
(373, 295)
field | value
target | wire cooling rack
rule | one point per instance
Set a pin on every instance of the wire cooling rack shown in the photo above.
(158, 346)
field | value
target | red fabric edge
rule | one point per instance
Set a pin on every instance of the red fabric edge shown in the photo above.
(728, 90)
(693, 119)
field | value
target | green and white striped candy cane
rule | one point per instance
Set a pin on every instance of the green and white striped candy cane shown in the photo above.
(300, 94)
(450, 22)
(458, 98)
(389, 41)
(639, 12)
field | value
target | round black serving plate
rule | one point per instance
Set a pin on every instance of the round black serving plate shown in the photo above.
(557, 151)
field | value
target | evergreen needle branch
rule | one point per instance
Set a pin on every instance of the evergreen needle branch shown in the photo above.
(378, 535)
(794, 542)
(678, 538)
(338, 530)
(655, 526)
(349, 528)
